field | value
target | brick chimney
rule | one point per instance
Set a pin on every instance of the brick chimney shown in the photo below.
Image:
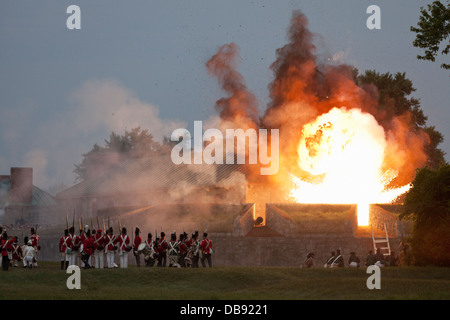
(21, 185)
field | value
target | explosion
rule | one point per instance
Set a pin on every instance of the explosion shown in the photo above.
(344, 150)
(337, 143)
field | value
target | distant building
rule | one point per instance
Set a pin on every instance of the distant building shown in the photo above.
(118, 183)
(22, 203)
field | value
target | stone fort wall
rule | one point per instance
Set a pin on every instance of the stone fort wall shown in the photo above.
(232, 250)
(286, 245)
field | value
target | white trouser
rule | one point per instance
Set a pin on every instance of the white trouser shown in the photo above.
(35, 263)
(79, 259)
(110, 258)
(64, 257)
(28, 261)
(72, 258)
(99, 259)
(123, 259)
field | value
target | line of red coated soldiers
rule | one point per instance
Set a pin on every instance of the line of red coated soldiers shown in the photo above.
(182, 252)
(13, 252)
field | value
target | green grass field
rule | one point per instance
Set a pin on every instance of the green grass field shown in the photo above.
(48, 282)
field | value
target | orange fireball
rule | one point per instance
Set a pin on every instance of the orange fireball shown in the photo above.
(342, 152)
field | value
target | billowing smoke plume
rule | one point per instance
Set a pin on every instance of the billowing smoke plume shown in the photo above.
(240, 109)
(302, 89)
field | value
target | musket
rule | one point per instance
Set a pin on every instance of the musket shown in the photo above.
(132, 243)
(120, 225)
(98, 224)
(67, 221)
(104, 229)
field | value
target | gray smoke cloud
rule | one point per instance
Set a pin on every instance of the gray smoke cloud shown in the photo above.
(94, 109)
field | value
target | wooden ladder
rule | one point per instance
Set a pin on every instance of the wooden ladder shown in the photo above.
(382, 241)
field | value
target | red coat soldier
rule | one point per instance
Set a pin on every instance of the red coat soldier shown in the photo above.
(188, 241)
(206, 249)
(82, 237)
(35, 243)
(88, 249)
(6, 247)
(183, 250)
(124, 247)
(162, 250)
(81, 240)
(88, 244)
(110, 247)
(194, 250)
(137, 242)
(99, 247)
(75, 245)
(35, 239)
(65, 247)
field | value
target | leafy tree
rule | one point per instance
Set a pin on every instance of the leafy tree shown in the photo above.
(135, 143)
(394, 92)
(428, 204)
(394, 99)
(432, 29)
(436, 157)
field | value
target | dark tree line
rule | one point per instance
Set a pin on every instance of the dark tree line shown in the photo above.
(428, 205)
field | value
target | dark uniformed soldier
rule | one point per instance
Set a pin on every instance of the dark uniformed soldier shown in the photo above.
(195, 248)
(330, 260)
(162, 250)
(339, 261)
(353, 260)
(370, 259)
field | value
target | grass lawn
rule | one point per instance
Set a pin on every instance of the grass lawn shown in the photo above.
(48, 282)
